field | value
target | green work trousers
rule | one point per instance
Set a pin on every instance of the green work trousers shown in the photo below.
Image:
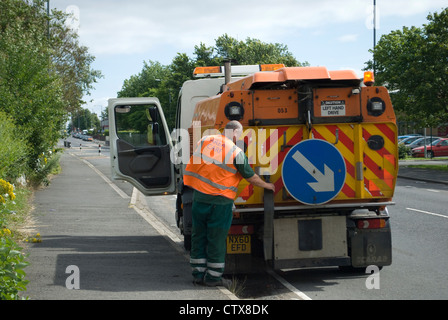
(211, 224)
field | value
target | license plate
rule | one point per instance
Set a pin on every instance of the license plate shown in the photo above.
(239, 244)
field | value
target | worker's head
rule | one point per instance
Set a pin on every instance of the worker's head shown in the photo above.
(233, 130)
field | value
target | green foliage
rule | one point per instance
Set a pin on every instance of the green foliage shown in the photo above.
(72, 63)
(12, 149)
(403, 151)
(411, 63)
(254, 51)
(12, 261)
(46, 165)
(164, 82)
(12, 275)
(83, 119)
(44, 73)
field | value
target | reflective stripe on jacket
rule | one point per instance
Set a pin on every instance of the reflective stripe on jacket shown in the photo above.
(211, 169)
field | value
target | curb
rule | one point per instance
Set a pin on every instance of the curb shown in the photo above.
(422, 179)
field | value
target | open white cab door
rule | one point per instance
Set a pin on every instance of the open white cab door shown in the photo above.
(140, 145)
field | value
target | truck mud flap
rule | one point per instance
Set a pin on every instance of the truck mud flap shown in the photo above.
(371, 247)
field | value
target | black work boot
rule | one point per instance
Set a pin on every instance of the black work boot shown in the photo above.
(227, 283)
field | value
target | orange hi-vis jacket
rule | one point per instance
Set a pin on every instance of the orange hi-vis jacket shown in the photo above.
(211, 169)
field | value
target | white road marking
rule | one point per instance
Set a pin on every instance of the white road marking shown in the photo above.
(427, 212)
(106, 179)
(138, 203)
(289, 286)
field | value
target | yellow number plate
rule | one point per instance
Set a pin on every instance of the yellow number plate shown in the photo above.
(238, 244)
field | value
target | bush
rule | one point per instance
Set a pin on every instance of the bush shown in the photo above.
(46, 165)
(12, 263)
(12, 260)
(13, 150)
(403, 151)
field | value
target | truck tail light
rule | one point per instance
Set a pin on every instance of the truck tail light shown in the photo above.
(371, 223)
(241, 229)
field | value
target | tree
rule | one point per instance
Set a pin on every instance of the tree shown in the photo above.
(412, 64)
(83, 119)
(72, 62)
(12, 149)
(205, 56)
(252, 51)
(29, 91)
(153, 81)
(42, 74)
(140, 85)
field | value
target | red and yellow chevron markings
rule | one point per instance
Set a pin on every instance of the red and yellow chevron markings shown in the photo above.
(343, 134)
(271, 146)
(370, 173)
(377, 169)
(381, 166)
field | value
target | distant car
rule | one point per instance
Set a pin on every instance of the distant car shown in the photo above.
(422, 142)
(401, 138)
(87, 138)
(438, 148)
(409, 140)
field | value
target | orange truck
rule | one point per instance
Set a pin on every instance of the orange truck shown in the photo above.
(326, 139)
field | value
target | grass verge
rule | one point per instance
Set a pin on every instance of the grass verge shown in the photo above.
(17, 228)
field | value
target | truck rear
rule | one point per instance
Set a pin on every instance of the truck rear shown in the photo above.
(326, 139)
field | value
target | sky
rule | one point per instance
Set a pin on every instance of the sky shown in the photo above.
(336, 34)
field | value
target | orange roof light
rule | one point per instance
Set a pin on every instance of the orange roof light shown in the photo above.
(206, 70)
(217, 71)
(271, 67)
(369, 78)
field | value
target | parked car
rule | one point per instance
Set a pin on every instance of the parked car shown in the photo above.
(438, 148)
(400, 138)
(422, 142)
(409, 140)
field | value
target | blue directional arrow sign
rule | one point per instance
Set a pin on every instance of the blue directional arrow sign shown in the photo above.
(314, 172)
